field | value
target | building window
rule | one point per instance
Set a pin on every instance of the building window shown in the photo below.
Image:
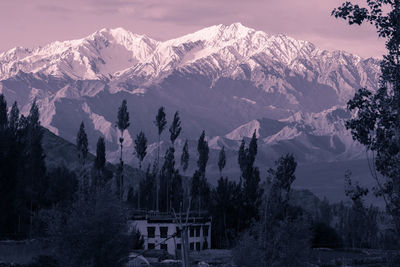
(151, 246)
(191, 231)
(164, 232)
(164, 246)
(178, 246)
(192, 246)
(178, 232)
(198, 231)
(198, 246)
(151, 232)
(205, 230)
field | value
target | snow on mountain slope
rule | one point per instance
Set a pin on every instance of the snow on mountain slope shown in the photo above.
(220, 78)
(97, 56)
(324, 131)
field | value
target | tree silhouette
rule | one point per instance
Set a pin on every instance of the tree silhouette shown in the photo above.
(3, 112)
(141, 148)
(185, 156)
(251, 179)
(221, 160)
(175, 128)
(200, 189)
(202, 149)
(377, 114)
(13, 119)
(140, 151)
(34, 163)
(160, 123)
(100, 161)
(123, 124)
(82, 144)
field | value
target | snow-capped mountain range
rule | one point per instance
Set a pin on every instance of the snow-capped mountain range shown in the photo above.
(229, 80)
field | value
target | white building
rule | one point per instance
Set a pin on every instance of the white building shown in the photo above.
(160, 231)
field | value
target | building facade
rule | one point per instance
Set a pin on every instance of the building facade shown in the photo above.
(161, 231)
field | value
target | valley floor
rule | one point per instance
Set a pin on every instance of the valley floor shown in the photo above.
(21, 253)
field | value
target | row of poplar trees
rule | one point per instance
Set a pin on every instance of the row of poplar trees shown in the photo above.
(26, 187)
(161, 186)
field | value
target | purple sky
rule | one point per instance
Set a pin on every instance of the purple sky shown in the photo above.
(30, 23)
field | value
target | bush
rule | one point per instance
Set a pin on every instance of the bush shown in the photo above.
(286, 242)
(325, 236)
(93, 232)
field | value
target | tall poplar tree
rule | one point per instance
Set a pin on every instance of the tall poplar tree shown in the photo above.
(221, 160)
(141, 148)
(202, 149)
(140, 151)
(160, 123)
(200, 189)
(251, 192)
(175, 128)
(100, 161)
(82, 146)
(13, 118)
(185, 156)
(34, 163)
(3, 113)
(123, 124)
(167, 172)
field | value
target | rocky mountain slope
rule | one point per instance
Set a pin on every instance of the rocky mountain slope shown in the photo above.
(226, 79)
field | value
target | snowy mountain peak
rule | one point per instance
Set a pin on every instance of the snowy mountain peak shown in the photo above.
(216, 35)
(229, 80)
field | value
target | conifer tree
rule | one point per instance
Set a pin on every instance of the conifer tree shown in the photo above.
(123, 124)
(175, 128)
(160, 123)
(221, 160)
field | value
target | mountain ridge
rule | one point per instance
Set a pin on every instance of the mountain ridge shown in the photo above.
(219, 78)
